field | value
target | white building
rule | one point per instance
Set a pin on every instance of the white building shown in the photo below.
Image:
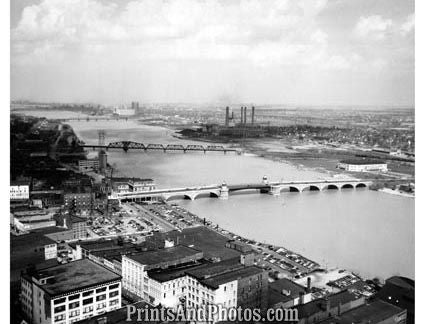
(363, 165)
(69, 292)
(190, 286)
(19, 190)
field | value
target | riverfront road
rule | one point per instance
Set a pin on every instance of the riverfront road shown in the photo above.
(222, 191)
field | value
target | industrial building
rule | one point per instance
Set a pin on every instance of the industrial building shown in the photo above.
(69, 292)
(363, 165)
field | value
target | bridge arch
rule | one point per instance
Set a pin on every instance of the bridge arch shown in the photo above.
(361, 185)
(294, 189)
(206, 194)
(330, 187)
(347, 186)
(178, 196)
(311, 188)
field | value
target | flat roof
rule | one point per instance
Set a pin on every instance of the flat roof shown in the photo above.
(163, 255)
(216, 268)
(30, 241)
(362, 161)
(375, 312)
(318, 305)
(74, 275)
(172, 273)
(216, 281)
(293, 288)
(202, 238)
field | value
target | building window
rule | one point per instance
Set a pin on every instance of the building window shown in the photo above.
(100, 306)
(87, 309)
(59, 301)
(59, 317)
(101, 297)
(114, 286)
(87, 301)
(59, 309)
(74, 297)
(88, 293)
(74, 305)
(74, 313)
(113, 302)
(113, 294)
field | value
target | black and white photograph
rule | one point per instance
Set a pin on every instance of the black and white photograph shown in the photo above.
(207, 161)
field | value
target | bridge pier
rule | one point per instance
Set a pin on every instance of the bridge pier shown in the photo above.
(275, 190)
(224, 192)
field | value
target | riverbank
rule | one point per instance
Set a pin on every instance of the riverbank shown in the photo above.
(397, 192)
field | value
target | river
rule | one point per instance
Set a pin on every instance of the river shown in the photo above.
(368, 232)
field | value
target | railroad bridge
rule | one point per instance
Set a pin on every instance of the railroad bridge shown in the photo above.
(129, 145)
(222, 191)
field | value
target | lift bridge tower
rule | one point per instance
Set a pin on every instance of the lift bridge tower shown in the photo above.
(102, 156)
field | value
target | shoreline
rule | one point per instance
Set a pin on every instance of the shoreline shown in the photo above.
(396, 193)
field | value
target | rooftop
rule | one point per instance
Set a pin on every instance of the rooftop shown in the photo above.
(214, 269)
(277, 287)
(362, 161)
(375, 312)
(216, 281)
(74, 275)
(202, 238)
(319, 305)
(174, 253)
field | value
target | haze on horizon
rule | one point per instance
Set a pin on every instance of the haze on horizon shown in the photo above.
(311, 52)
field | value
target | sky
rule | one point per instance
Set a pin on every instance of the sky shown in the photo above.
(307, 52)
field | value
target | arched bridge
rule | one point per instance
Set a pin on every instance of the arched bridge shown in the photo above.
(129, 145)
(222, 191)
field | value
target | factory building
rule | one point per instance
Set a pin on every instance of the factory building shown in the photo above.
(69, 292)
(363, 165)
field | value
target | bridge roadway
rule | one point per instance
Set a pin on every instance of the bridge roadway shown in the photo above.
(129, 145)
(222, 191)
(92, 118)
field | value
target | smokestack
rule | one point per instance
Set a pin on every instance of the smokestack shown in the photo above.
(226, 122)
(232, 115)
(241, 115)
(308, 284)
(244, 116)
(252, 114)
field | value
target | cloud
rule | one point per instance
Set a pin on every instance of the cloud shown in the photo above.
(373, 26)
(408, 25)
(262, 32)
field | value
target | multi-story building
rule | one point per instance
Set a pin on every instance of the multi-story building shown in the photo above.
(88, 165)
(363, 165)
(79, 202)
(126, 185)
(19, 190)
(135, 268)
(69, 292)
(189, 281)
(77, 226)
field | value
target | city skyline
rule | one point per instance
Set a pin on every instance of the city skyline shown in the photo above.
(307, 52)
